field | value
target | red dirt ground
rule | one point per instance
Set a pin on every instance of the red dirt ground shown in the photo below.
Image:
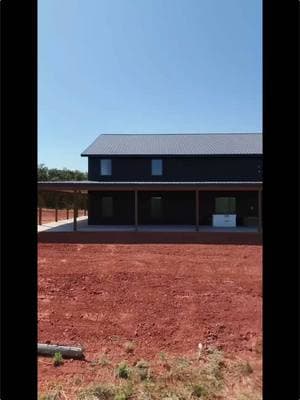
(48, 215)
(163, 297)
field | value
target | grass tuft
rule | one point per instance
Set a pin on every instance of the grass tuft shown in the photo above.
(129, 347)
(57, 359)
(123, 371)
(143, 369)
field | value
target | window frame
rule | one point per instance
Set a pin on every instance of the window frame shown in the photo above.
(153, 160)
(102, 167)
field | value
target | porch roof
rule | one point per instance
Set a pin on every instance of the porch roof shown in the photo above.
(84, 186)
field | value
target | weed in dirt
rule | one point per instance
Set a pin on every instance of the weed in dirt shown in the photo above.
(171, 396)
(106, 392)
(164, 361)
(57, 359)
(51, 396)
(102, 392)
(162, 356)
(198, 390)
(123, 371)
(249, 396)
(124, 392)
(214, 363)
(77, 381)
(143, 369)
(181, 369)
(129, 347)
(258, 347)
(245, 368)
(102, 362)
(187, 379)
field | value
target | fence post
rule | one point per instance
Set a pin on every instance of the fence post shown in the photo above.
(56, 215)
(75, 204)
(67, 213)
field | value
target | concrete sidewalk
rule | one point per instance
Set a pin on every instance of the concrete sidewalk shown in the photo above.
(82, 226)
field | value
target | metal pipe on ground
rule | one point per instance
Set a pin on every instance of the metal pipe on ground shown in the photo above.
(65, 351)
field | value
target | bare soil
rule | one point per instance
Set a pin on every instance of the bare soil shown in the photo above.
(161, 297)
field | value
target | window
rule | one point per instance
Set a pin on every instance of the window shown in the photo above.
(105, 167)
(225, 205)
(107, 207)
(156, 167)
(156, 207)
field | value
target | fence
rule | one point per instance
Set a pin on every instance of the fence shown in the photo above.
(45, 215)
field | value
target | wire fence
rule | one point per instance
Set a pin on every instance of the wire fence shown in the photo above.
(45, 215)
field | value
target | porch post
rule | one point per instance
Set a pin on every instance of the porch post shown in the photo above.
(136, 209)
(259, 211)
(197, 209)
(40, 215)
(75, 212)
(40, 201)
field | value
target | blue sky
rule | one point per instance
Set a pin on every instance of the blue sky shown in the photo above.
(145, 66)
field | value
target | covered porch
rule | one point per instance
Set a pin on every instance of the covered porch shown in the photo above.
(159, 206)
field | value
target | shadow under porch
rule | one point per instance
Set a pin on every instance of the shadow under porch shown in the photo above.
(170, 207)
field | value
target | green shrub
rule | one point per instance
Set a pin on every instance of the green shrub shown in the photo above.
(123, 371)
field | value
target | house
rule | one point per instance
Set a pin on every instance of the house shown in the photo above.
(172, 179)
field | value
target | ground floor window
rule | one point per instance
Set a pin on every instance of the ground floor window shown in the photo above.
(107, 206)
(156, 207)
(225, 205)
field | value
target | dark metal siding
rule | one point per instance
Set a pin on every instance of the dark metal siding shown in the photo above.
(123, 208)
(178, 207)
(208, 168)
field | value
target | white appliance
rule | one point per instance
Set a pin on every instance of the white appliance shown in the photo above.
(224, 220)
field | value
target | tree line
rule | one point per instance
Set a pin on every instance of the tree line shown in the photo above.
(54, 174)
(57, 199)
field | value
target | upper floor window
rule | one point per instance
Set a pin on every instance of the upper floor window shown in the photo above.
(156, 167)
(105, 167)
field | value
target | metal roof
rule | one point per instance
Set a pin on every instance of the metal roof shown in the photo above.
(175, 144)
